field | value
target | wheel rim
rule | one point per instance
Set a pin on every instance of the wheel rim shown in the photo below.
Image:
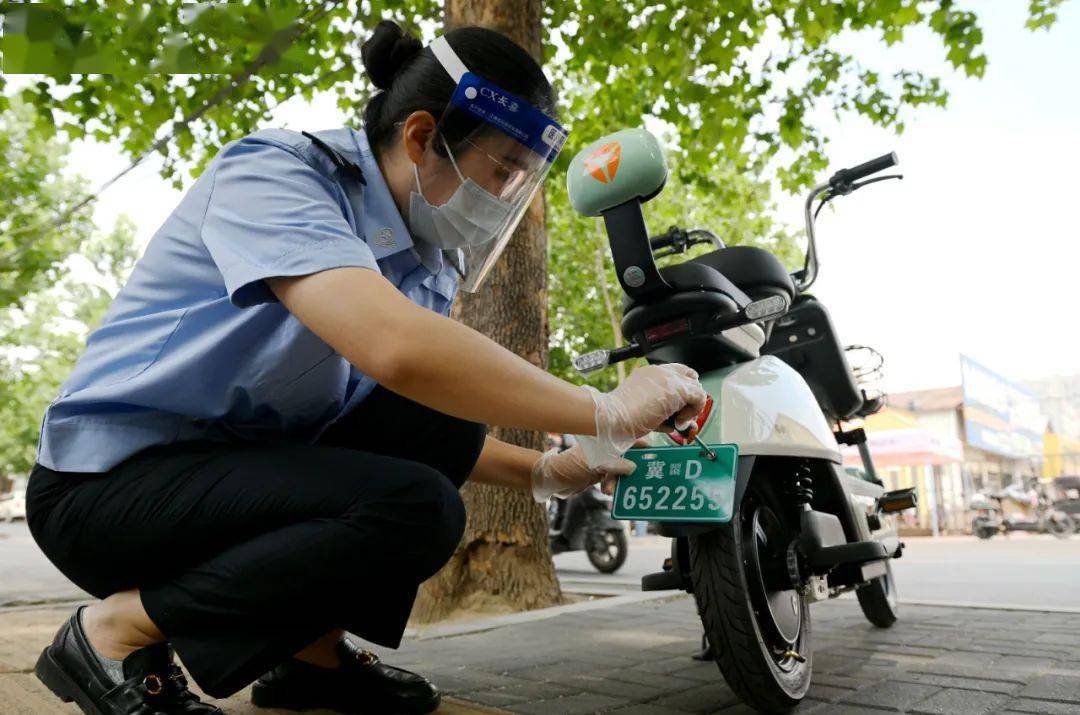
(889, 586)
(1059, 526)
(553, 512)
(778, 611)
(604, 547)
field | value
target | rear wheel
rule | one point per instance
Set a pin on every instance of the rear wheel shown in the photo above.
(759, 632)
(878, 599)
(1060, 525)
(607, 550)
(983, 530)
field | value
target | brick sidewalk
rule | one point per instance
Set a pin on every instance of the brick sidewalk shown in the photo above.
(635, 659)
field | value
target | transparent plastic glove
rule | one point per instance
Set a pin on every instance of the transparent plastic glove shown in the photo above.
(564, 474)
(644, 401)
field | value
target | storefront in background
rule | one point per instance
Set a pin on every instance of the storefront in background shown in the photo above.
(908, 455)
(1061, 456)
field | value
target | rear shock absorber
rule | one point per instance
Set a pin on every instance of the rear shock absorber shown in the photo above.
(801, 487)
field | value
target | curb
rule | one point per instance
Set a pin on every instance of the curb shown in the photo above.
(992, 606)
(16, 605)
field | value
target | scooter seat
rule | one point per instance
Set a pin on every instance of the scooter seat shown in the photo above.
(684, 278)
(754, 270)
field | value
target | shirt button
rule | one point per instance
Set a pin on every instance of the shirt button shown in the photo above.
(385, 238)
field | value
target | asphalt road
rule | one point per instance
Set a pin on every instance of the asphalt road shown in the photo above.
(1021, 570)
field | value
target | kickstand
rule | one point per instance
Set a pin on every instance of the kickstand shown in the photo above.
(706, 650)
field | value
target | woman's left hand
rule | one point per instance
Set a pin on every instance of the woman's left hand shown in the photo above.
(564, 474)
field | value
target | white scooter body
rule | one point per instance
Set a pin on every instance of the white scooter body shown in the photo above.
(765, 407)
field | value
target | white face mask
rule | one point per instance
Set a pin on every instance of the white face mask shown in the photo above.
(470, 218)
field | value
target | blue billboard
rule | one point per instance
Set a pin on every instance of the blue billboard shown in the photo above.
(1000, 416)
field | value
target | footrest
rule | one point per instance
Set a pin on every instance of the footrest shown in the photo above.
(828, 557)
(899, 500)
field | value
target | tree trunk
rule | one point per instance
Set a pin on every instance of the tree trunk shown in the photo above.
(503, 560)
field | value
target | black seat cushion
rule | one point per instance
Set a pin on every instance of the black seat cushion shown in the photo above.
(684, 277)
(756, 271)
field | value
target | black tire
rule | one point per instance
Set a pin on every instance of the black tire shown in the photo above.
(741, 631)
(607, 551)
(983, 530)
(1061, 526)
(878, 599)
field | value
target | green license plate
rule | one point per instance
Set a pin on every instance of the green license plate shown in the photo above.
(678, 484)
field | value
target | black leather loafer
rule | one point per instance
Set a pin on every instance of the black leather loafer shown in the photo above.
(153, 684)
(361, 684)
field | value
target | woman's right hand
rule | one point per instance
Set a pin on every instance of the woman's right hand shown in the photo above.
(644, 401)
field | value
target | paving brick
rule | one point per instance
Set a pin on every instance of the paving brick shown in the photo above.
(827, 693)
(898, 696)
(465, 678)
(703, 698)
(535, 691)
(647, 709)
(616, 688)
(831, 709)
(1023, 663)
(841, 681)
(658, 681)
(1054, 687)
(965, 682)
(496, 698)
(1039, 707)
(570, 705)
(960, 702)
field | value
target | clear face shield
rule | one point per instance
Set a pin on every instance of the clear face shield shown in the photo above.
(498, 149)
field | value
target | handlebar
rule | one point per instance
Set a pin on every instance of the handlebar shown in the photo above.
(841, 183)
(846, 177)
(679, 240)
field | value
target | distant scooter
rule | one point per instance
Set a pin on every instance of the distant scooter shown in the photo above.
(583, 523)
(1028, 510)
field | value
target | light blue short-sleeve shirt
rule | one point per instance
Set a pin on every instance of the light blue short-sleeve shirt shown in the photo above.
(195, 345)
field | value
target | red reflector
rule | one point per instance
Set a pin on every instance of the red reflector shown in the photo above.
(667, 330)
(700, 422)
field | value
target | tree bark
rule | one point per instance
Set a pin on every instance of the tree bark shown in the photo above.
(503, 561)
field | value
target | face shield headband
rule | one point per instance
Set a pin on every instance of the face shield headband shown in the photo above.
(502, 148)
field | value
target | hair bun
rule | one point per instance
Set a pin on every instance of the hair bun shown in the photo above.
(388, 50)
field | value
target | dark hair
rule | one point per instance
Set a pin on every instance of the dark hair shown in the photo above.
(409, 77)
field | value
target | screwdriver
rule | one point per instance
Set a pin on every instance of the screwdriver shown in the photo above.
(690, 433)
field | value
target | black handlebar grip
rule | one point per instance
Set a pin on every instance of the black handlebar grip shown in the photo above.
(662, 241)
(847, 176)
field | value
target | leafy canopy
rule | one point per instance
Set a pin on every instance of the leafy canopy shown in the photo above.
(736, 79)
(729, 83)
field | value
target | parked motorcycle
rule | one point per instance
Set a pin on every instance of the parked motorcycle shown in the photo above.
(583, 523)
(763, 518)
(1067, 490)
(1015, 508)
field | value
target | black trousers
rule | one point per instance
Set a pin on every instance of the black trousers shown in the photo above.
(244, 553)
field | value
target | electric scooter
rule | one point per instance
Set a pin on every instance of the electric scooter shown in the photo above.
(763, 518)
(1028, 510)
(583, 522)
